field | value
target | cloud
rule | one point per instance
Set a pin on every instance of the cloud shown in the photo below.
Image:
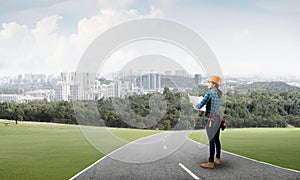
(43, 50)
(12, 33)
(47, 25)
(24, 49)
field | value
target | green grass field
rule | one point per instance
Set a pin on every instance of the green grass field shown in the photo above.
(32, 150)
(278, 146)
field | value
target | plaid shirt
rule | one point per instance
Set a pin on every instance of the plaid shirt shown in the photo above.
(215, 102)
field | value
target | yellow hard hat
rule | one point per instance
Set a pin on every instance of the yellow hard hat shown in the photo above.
(215, 79)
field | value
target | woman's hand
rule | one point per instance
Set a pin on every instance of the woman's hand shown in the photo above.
(194, 104)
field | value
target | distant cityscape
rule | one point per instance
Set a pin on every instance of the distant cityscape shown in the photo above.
(70, 86)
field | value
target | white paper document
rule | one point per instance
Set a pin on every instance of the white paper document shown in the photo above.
(196, 100)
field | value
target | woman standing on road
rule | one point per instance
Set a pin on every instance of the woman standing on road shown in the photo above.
(212, 100)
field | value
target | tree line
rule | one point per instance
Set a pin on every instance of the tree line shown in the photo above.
(166, 111)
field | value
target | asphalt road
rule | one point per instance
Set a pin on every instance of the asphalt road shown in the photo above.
(173, 156)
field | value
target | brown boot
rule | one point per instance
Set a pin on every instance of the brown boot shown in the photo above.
(209, 165)
(218, 161)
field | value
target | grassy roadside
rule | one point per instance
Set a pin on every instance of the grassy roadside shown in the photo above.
(278, 146)
(33, 150)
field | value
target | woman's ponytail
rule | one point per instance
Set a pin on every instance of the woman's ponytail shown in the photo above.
(220, 93)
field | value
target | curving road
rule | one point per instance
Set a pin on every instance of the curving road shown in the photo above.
(173, 156)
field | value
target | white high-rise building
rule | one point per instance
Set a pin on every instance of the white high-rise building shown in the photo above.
(109, 90)
(78, 86)
(62, 91)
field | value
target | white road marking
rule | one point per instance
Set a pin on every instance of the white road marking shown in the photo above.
(165, 147)
(89, 167)
(188, 171)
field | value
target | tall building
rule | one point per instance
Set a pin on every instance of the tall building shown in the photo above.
(139, 82)
(157, 82)
(198, 78)
(151, 81)
(74, 92)
(146, 81)
(62, 91)
(110, 90)
(78, 86)
(126, 88)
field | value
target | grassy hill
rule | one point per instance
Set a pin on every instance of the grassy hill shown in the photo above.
(32, 150)
(271, 86)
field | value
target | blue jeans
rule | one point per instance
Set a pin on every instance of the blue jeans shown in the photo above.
(215, 143)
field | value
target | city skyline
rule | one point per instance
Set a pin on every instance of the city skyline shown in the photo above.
(69, 86)
(250, 38)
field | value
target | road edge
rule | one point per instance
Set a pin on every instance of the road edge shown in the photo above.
(90, 166)
(293, 170)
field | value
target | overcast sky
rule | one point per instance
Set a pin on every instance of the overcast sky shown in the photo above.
(251, 37)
